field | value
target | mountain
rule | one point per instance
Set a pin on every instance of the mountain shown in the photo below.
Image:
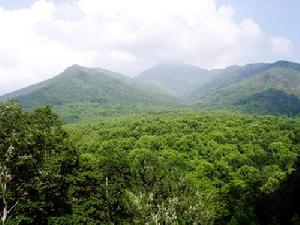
(224, 78)
(272, 89)
(80, 92)
(191, 82)
(235, 74)
(77, 86)
(247, 88)
(176, 79)
(245, 81)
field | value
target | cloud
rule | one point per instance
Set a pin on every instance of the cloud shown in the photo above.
(126, 36)
(280, 46)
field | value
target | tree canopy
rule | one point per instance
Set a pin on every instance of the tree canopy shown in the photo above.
(182, 167)
(36, 159)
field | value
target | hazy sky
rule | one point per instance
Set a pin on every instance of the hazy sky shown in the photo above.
(40, 38)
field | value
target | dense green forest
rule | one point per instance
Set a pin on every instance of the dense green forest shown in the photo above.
(272, 101)
(169, 167)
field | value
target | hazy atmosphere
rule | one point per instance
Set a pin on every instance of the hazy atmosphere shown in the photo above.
(39, 39)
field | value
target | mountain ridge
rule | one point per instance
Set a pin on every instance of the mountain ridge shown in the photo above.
(171, 84)
(78, 83)
(222, 88)
(173, 73)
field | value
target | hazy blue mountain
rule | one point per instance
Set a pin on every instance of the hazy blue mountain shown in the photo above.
(224, 88)
(178, 79)
(224, 78)
(192, 82)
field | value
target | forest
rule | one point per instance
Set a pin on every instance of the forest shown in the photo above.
(170, 167)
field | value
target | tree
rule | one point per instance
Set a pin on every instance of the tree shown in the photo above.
(5, 178)
(35, 161)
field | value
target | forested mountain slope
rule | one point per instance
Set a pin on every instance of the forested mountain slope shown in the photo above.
(278, 83)
(94, 85)
(243, 88)
(81, 93)
(191, 82)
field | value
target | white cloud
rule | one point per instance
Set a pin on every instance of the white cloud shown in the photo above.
(281, 46)
(126, 36)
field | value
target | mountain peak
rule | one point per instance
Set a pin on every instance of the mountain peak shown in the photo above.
(75, 67)
(174, 66)
(176, 78)
(287, 64)
(80, 72)
(283, 62)
(80, 85)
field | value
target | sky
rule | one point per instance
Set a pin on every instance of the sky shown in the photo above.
(40, 38)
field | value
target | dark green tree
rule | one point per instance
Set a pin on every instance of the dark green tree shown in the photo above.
(36, 159)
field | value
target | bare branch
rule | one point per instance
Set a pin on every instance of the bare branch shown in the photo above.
(14, 205)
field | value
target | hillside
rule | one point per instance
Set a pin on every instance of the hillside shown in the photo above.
(191, 82)
(224, 78)
(79, 86)
(282, 81)
(230, 87)
(272, 101)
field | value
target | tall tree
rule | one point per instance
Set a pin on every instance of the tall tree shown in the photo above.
(35, 161)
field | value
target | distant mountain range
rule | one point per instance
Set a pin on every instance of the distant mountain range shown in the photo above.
(264, 88)
(248, 88)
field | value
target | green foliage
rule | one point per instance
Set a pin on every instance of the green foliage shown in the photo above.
(281, 205)
(36, 160)
(272, 101)
(91, 112)
(160, 167)
(180, 167)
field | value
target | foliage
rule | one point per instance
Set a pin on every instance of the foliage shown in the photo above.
(36, 159)
(275, 102)
(168, 167)
(92, 112)
(180, 167)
